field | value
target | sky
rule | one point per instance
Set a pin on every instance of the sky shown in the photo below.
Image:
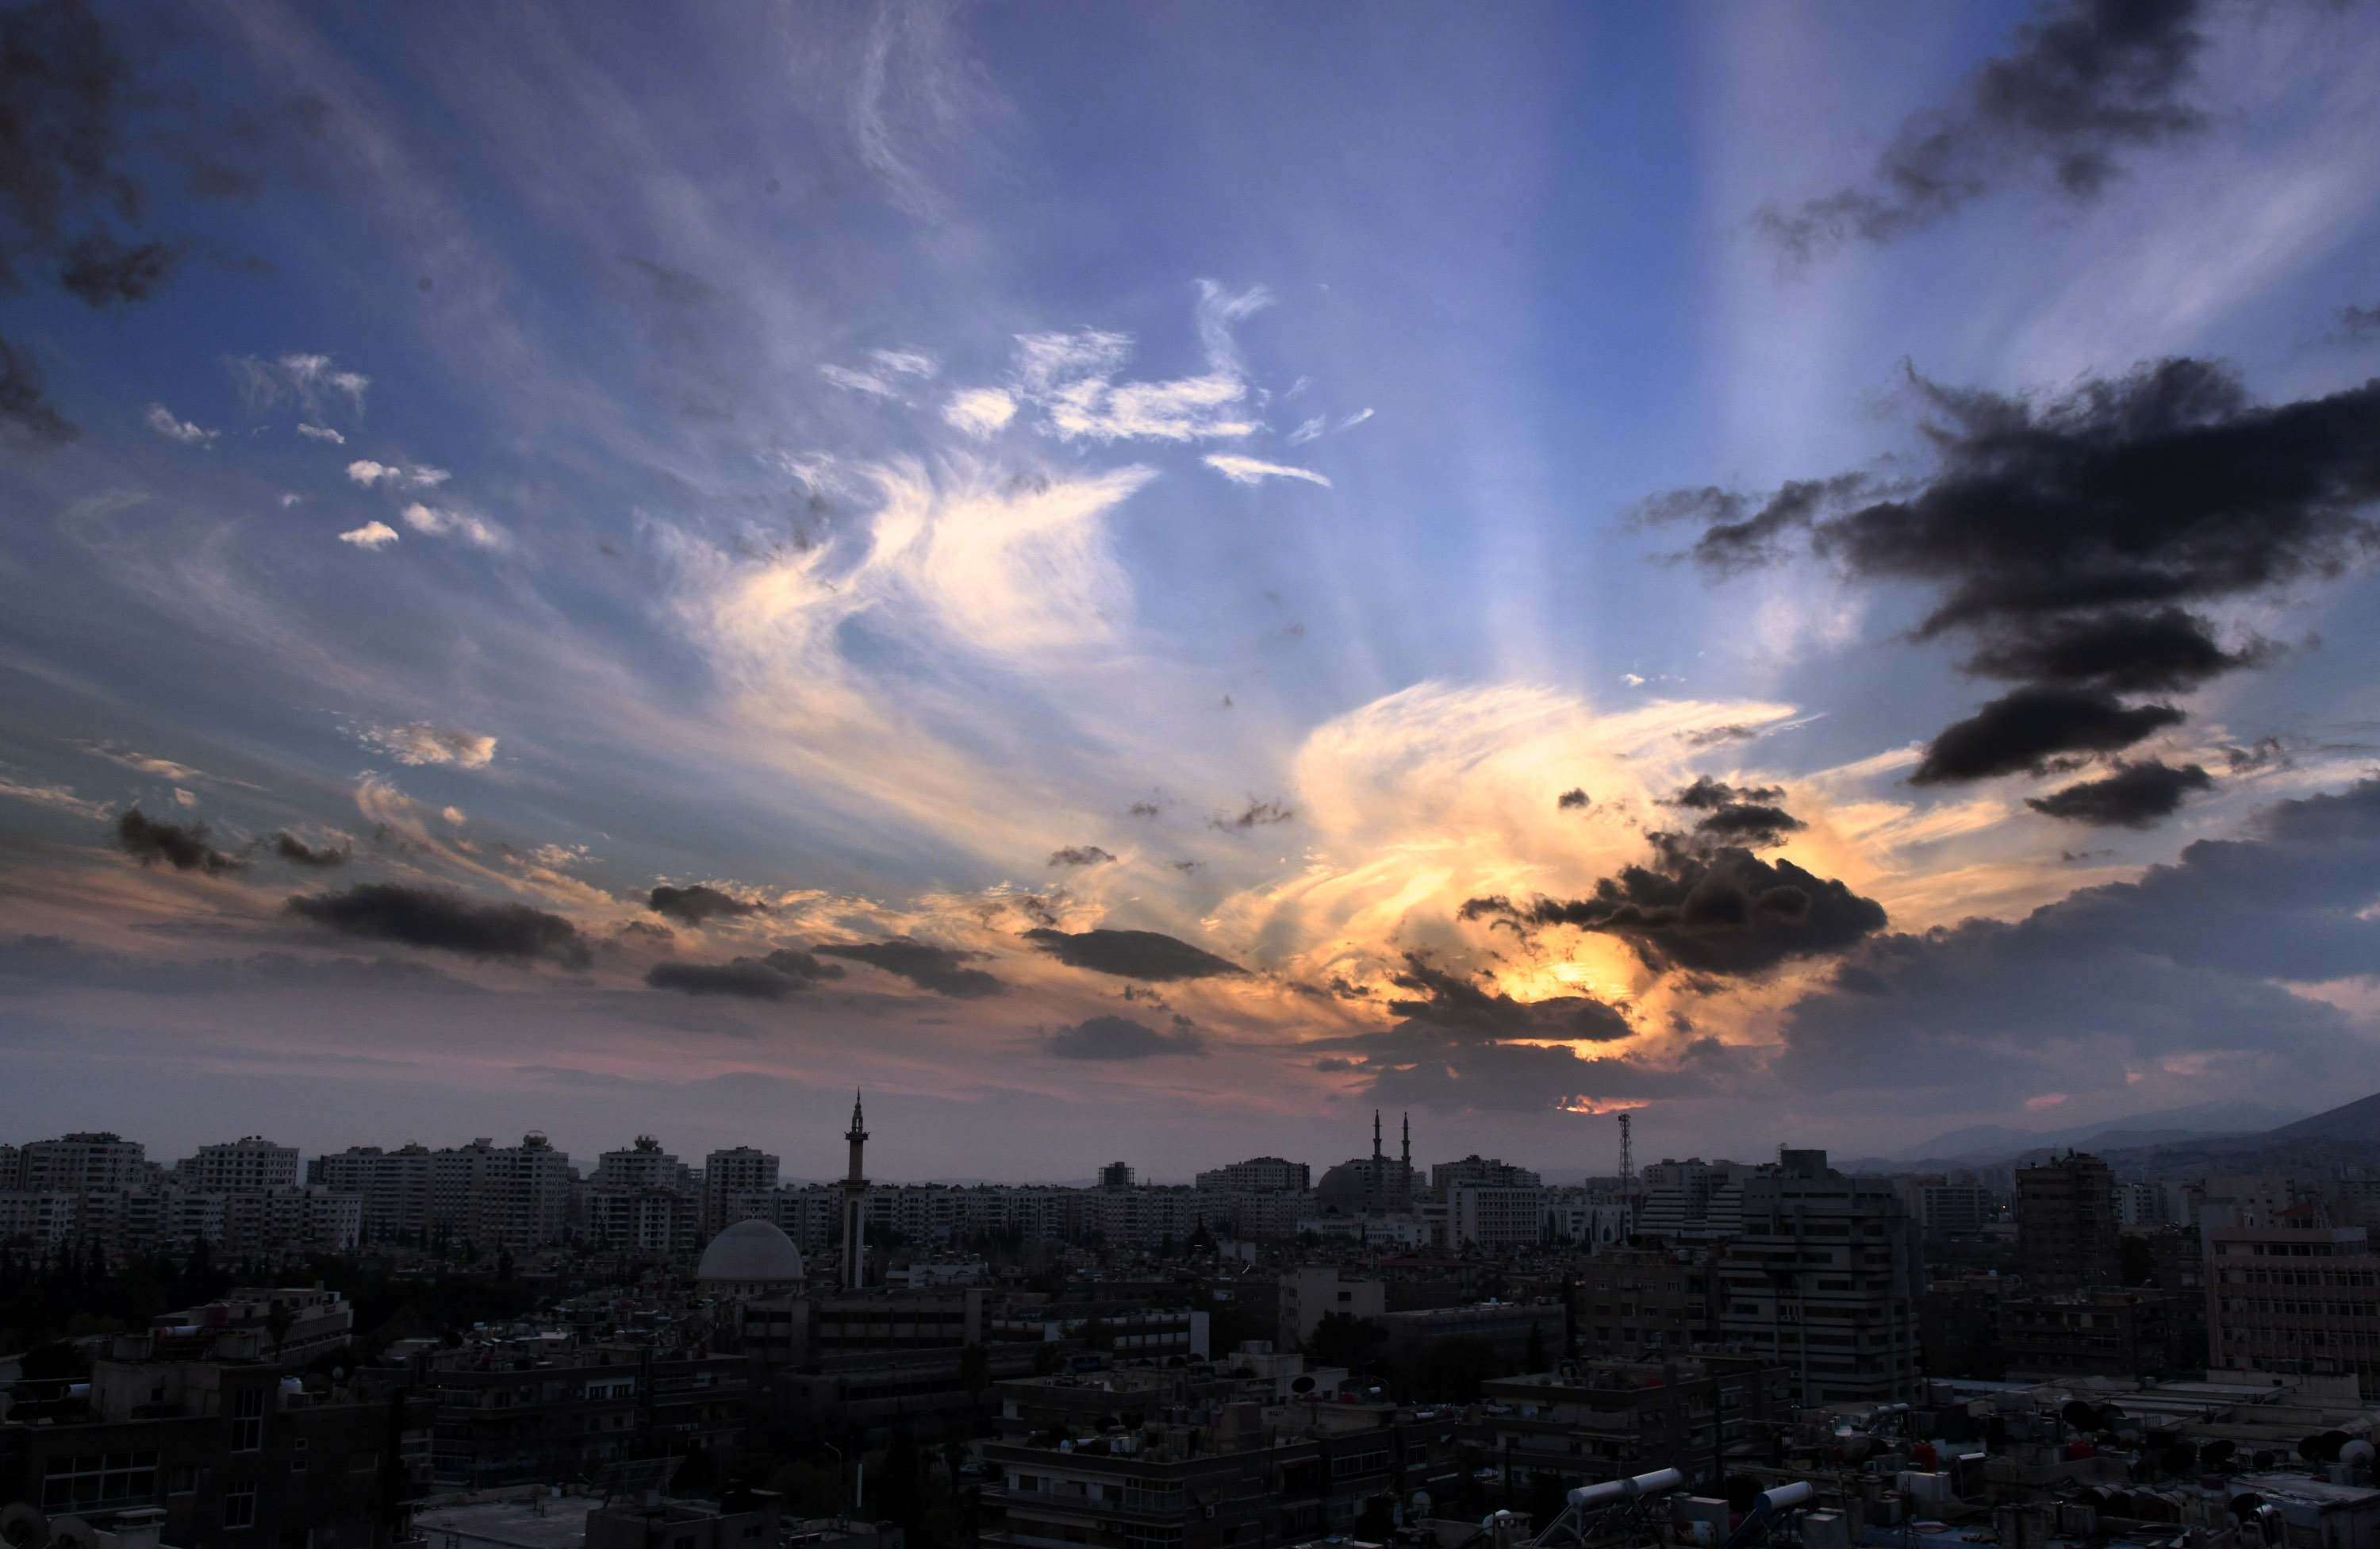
(1143, 582)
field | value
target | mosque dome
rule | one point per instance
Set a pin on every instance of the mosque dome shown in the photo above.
(750, 1258)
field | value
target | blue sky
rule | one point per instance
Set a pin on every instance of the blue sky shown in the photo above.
(932, 474)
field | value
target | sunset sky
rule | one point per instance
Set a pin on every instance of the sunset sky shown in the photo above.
(1142, 580)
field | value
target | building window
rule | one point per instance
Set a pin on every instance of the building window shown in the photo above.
(239, 1504)
(99, 1478)
(248, 1420)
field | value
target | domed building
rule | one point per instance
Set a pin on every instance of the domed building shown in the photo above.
(750, 1260)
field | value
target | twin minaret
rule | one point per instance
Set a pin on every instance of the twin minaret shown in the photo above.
(854, 1203)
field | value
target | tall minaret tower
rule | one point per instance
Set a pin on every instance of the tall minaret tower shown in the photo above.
(854, 1203)
(1375, 1191)
(1407, 1188)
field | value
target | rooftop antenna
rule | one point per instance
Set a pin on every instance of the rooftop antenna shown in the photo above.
(1627, 1158)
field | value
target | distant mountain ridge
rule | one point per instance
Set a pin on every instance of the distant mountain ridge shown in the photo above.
(1993, 1143)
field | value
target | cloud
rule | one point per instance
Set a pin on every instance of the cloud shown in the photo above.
(1257, 814)
(698, 904)
(1707, 907)
(1149, 956)
(1080, 855)
(25, 406)
(322, 433)
(2162, 650)
(64, 188)
(290, 847)
(441, 523)
(444, 922)
(61, 797)
(2087, 82)
(311, 382)
(371, 535)
(2162, 974)
(422, 744)
(982, 412)
(1307, 431)
(161, 420)
(365, 471)
(1072, 379)
(1252, 470)
(2068, 537)
(2135, 795)
(1457, 1047)
(1573, 800)
(2029, 728)
(859, 382)
(1122, 1038)
(1746, 815)
(2357, 325)
(102, 272)
(929, 967)
(184, 848)
(775, 977)
(904, 362)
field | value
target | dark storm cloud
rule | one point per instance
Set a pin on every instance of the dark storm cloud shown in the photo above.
(26, 413)
(184, 848)
(1711, 736)
(1441, 1000)
(1257, 814)
(298, 852)
(929, 967)
(1573, 800)
(2166, 650)
(2180, 966)
(1459, 1048)
(1122, 1038)
(1080, 855)
(2066, 538)
(65, 93)
(2028, 728)
(101, 271)
(693, 906)
(2357, 325)
(445, 923)
(52, 961)
(1746, 815)
(2135, 795)
(780, 974)
(2087, 82)
(2164, 486)
(1150, 955)
(1707, 908)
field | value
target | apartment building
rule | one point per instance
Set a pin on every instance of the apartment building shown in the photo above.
(1825, 1280)
(2298, 1294)
(2066, 1223)
(249, 1163)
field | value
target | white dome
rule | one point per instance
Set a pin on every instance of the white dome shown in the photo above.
(751, 1253)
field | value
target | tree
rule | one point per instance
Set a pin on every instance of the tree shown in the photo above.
(1534, 1358)
(1449, 1371)
(2137, 1259)
(277, 1323)
(975, 1369)
(1344, 1340)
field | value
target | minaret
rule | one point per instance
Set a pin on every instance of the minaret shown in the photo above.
(1375, 1183)
(854, 1203)
(1408, 1179)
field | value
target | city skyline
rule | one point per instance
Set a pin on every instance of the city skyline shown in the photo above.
(1143, 583)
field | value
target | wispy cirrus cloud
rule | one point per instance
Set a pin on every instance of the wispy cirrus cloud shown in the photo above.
(1255, 470)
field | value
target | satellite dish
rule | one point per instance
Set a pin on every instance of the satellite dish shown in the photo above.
(1302, 1384)
(22, 1526)
(2357, 1455)
(72, 1532)
(2078, 1414)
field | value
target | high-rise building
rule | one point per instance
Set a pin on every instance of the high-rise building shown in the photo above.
(250, 1162)
(394, 1186)
(87, 1160)
(2294, 1295)
(1116, 1175)
(1258, 1175)
(727, 1173)
(2066, 1231)
(1825, 1279)
(1691, 1201)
